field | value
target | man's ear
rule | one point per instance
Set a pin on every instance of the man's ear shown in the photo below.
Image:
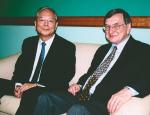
(128, 28)
(56, 26)
(35, 23)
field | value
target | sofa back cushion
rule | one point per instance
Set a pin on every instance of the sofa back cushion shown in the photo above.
(84, 56)
(7, 66)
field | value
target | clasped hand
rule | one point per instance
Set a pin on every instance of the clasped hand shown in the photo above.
(21, 88)
(74, 88)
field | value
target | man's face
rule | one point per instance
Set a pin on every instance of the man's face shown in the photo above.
(115, 28)
(46, 24)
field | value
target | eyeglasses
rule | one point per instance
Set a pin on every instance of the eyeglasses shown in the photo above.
(114, 27)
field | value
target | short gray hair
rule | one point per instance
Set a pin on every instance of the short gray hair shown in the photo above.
(46, 8)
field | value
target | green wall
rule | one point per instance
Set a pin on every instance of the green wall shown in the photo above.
(11, 38)
(15, 8)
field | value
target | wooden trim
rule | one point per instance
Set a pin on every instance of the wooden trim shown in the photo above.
(17, 21)
(93, 21)
(81, 21)
(141, 22)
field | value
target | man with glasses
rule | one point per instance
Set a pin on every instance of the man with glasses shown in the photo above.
(119, 71)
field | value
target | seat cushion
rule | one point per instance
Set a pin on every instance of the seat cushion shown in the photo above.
(9, 104)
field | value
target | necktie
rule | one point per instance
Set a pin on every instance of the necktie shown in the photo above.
(84, 95)
(39, 64)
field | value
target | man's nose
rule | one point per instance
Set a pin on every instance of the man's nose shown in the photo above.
(111, 29)
(46, 22)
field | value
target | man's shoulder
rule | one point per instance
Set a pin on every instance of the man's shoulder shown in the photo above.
(64, 41)
(31, 38)
(104, 46)
(103, 49)
(143, 47)
(138, 43)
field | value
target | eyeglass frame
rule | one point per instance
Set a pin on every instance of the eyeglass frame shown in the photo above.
(114, 27)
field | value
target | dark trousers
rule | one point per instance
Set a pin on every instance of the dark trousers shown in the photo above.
(28, 101)
(59, 103)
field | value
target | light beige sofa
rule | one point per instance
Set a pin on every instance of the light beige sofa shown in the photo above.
(84, 55)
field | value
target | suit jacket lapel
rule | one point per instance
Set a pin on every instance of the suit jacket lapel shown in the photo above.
(32, 53)
(51, 51)
(34, 49)
(126, 53)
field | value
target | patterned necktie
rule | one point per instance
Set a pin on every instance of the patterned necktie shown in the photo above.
(84, 95)
(39, 64)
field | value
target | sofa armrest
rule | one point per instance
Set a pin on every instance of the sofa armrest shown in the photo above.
(9, 104)
(136, 106)
(7, 66)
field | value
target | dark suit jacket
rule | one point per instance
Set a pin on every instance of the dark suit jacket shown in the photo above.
(131, 69)
(58, 67)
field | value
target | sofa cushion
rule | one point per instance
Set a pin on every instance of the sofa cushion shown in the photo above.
(9, 104)
(84, 56)
(7, 66)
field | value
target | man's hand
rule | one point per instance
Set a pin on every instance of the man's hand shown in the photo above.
(118, 99)
(27, 86)
(73, 89)
(20, 89)
(17, 91)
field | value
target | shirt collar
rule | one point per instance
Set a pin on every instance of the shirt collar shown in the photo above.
(49, 41)
(121, 45)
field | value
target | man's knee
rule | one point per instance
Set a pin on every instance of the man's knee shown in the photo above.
(78, 109)
(43, 98)
(44, 105)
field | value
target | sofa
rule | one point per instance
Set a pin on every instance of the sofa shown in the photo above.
(84, 55)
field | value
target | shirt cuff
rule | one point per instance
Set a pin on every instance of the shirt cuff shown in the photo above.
(18, 85)
(133, 91)
(39, 85)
